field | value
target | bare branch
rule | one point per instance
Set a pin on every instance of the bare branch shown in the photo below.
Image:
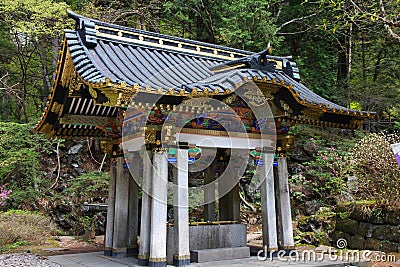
(387, 26)
(58, 165)
(294, 20)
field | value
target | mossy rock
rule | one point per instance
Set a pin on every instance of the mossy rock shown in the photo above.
(393, 217)
(389, 246)
(356, 242)
(365, 229)
(339, 235)
(372, 244)
(347, 226)
(386, 232)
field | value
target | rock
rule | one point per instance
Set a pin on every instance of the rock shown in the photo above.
(388, 247)
(311, 148)
(362, 213)
(74, 150)
(386, 232)
(323, 249)
(295, 167)
(99, 239)
(356, 242)
(365, 229)
(63, 208)
(66, 238)
(55, 249)
(311, 207)
(393, 217)
(339, 235)
(75, 165)
(347, 226)
(372, 244)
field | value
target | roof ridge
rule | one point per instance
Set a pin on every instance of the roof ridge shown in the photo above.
(79, 26)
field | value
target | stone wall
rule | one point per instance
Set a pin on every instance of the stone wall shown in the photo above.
(368, 227)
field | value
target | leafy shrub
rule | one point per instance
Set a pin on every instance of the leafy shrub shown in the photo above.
(324, 177)
(89, 186)
(376, 169)
(20, 153)
(299, 186)
(329, 172)
(368, 158)
(24, 226)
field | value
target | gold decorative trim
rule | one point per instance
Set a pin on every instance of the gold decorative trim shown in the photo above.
(182, 257)
(220, 133)
(41, 122)
(87, 120)
(157, 259)
(143, 256)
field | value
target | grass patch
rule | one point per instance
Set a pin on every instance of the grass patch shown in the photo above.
(15, 245)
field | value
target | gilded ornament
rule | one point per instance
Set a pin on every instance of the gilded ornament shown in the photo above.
(311, 114)
(57, 108)
(93, 92)
(106, 147)
(286, 107)
(255, 97)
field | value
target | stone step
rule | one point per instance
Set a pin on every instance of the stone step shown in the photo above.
(218, 254)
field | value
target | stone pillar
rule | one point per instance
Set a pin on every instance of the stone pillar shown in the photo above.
(158, 234)
(108, 240)
(209, 193)
(269, 224)
(120, 240)
(145, 221)
(285, 214)
(133, 212)
(229, 204)
(181, 210)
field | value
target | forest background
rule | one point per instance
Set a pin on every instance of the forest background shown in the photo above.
(347, 51)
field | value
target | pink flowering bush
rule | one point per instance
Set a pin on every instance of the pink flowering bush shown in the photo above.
(329, 172)
(4, 194)
(368, 161)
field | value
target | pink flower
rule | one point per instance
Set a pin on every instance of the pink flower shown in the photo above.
(4, 193)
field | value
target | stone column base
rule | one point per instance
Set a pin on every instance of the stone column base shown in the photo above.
(181, 260)
(158, 262)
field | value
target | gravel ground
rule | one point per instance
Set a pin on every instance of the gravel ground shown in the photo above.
(25, 259)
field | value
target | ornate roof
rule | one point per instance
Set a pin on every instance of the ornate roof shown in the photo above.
(102, 65)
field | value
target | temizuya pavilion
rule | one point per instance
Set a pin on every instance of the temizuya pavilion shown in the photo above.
(162, 104)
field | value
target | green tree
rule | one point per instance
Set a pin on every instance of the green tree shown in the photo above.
(20, 153)
(344, 54)
(249, 25)
(33, 28)
(244, 24)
